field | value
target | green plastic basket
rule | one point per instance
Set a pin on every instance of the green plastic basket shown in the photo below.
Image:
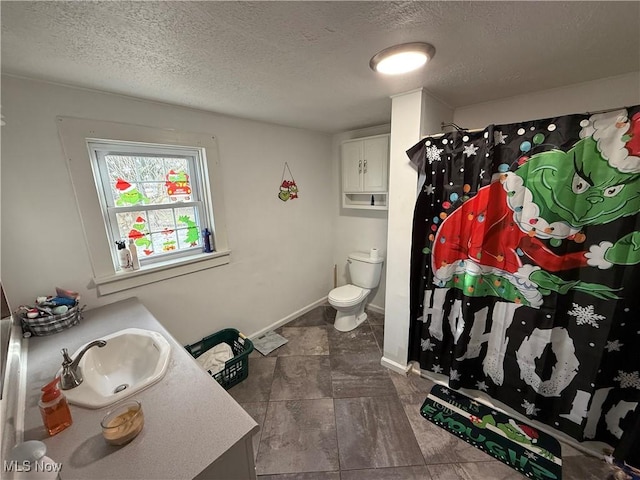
(236, 369)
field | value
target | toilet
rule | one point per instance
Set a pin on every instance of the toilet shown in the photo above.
(349, 300)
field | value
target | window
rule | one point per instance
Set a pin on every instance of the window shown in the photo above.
(153, 195)
(160, 187)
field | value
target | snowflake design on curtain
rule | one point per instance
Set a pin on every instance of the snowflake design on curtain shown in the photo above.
(628, 380)
(454, 375)
(585, 315)
(499, 137)
(530, 408)
(427, 345)
(482, 386)
(613, 346)
(433, 154)
(436, 369)
(470, 149)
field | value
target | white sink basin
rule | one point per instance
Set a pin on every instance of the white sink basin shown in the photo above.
(132, 360)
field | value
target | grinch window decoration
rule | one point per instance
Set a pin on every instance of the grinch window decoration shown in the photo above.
(140, 237)
(191, 235)
(161, 234)
(178, 188)
(288, 188)
(128, 194)
(169, 240)
(151, 200)
(524, 267)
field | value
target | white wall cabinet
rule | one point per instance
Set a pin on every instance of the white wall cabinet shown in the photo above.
(365, 166)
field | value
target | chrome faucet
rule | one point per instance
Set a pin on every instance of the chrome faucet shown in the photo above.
(71, 375)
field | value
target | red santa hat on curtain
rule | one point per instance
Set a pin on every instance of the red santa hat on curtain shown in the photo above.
(617, 137)
(123, 186)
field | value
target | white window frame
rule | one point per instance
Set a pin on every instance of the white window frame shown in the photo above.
(77, 136)
(99, 149)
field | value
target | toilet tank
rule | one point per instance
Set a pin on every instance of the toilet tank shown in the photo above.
(364, 270)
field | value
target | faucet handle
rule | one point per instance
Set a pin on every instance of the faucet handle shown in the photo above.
(68, 378)
(66, 358)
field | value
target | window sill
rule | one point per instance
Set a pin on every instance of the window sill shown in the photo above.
(159, 271)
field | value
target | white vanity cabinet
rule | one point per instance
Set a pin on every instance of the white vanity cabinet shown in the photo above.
(193, 429)
(365, 165)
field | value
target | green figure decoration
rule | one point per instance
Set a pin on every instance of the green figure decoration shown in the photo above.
(552, 195)
(129, 195)
(192, 230)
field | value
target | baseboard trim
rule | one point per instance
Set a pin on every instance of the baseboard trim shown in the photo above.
(376, 308)
(395, 366)
(288, 318)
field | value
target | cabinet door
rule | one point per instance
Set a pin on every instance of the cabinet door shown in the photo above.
(375, 164)
(352, 166)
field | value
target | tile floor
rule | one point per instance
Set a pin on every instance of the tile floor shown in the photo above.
(328, 410)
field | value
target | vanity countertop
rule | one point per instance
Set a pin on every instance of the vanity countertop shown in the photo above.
(190, 420)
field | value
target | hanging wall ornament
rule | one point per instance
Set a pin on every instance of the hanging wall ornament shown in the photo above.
(288, 188)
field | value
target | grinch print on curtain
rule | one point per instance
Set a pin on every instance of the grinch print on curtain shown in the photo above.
(524, 279)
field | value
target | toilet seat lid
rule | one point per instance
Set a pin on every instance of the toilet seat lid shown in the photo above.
(347, 294)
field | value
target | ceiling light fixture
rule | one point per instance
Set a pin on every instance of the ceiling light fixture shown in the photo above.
(402, 58)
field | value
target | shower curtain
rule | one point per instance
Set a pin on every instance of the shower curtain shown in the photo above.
(525, 278)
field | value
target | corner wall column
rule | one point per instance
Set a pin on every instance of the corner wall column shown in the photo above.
(413, 114)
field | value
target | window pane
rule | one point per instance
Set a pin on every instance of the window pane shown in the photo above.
(160, 231)
(177, 164)
(142, 180)
(156, 192)
(150, 169)
(161, 220)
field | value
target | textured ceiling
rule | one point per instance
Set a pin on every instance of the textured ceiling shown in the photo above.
(306, 64)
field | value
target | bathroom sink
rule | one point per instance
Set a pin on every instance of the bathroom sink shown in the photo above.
(132, 360)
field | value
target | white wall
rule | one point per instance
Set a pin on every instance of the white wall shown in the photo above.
(603, 94)
(597, 95)
(356, 230)
(282, 252)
